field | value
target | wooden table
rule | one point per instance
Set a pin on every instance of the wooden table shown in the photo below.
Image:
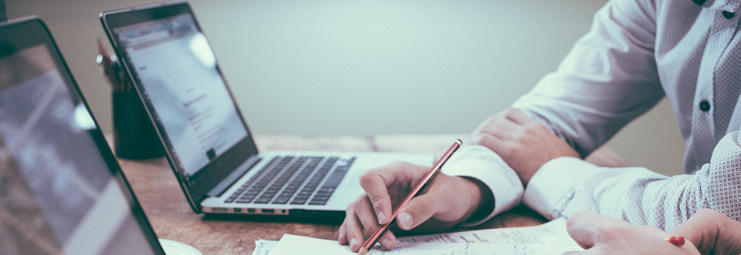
(171, 217)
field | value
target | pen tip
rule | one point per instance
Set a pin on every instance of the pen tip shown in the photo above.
(362, 251)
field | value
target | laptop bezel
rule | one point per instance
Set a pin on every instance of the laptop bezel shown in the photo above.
(34, 33)
(198, 186)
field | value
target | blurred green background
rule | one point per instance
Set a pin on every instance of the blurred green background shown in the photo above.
(332, 67)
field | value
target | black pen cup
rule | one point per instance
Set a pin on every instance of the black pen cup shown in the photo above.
(133, 133)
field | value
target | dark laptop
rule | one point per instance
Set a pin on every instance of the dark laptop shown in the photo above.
(206, 140)
(61, 189)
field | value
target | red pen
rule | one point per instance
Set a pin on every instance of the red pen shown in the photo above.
(368, 245)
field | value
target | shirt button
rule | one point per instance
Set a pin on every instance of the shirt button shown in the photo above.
(704, 106)
(728, 15)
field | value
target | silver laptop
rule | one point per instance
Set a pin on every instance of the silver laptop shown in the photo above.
(207, 141)
(61, 189)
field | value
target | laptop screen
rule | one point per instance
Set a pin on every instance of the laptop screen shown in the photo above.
(59, 192)
(177, 72)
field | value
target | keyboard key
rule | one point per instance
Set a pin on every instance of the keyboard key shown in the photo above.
(285, 179)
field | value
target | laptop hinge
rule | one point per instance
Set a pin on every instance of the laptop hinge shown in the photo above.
(227, 182)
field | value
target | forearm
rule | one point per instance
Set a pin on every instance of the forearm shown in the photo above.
(608, 79)
(637, 195)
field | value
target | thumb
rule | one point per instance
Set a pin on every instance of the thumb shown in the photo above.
(582, 227)
(417, 211)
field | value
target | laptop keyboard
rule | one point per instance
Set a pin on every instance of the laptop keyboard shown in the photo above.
(293, 180)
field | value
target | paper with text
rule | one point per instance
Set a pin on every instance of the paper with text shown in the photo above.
(549, 238)
(553, 232)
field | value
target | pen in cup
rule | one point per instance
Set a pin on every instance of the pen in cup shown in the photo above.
(368, 245)
(111, 69)
(134, 136)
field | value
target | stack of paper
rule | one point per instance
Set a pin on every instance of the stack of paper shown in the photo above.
(549, 238)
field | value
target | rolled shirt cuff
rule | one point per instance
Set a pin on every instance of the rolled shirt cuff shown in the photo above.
(482, 164)
(553, 185)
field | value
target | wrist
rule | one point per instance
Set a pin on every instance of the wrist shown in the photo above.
(481, 199)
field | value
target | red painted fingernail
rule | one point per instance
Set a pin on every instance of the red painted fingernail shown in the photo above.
(675, 240)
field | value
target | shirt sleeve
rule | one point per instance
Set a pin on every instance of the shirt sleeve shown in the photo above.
(607, 79)
(637, 195)
(480, 163)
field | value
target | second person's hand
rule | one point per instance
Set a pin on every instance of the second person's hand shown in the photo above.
(522, 142)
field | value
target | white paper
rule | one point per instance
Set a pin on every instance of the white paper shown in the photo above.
(550, 238)
(553, 232)
(263, 247)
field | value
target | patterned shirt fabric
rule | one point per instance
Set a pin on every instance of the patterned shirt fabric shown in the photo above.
(642, 197)
(636, 53)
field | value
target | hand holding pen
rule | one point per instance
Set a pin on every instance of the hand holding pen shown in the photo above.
(417, 190)
(447, 201)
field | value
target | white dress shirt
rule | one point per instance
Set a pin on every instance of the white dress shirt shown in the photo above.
(637, 52)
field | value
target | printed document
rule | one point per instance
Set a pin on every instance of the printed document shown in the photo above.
(548, 238)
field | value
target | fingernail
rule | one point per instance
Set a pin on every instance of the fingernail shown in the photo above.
(353, 242)
(386, 243)
(380, 217)
(405, 220)
(342, 233)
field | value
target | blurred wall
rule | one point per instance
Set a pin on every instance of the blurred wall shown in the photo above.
(331, 67)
